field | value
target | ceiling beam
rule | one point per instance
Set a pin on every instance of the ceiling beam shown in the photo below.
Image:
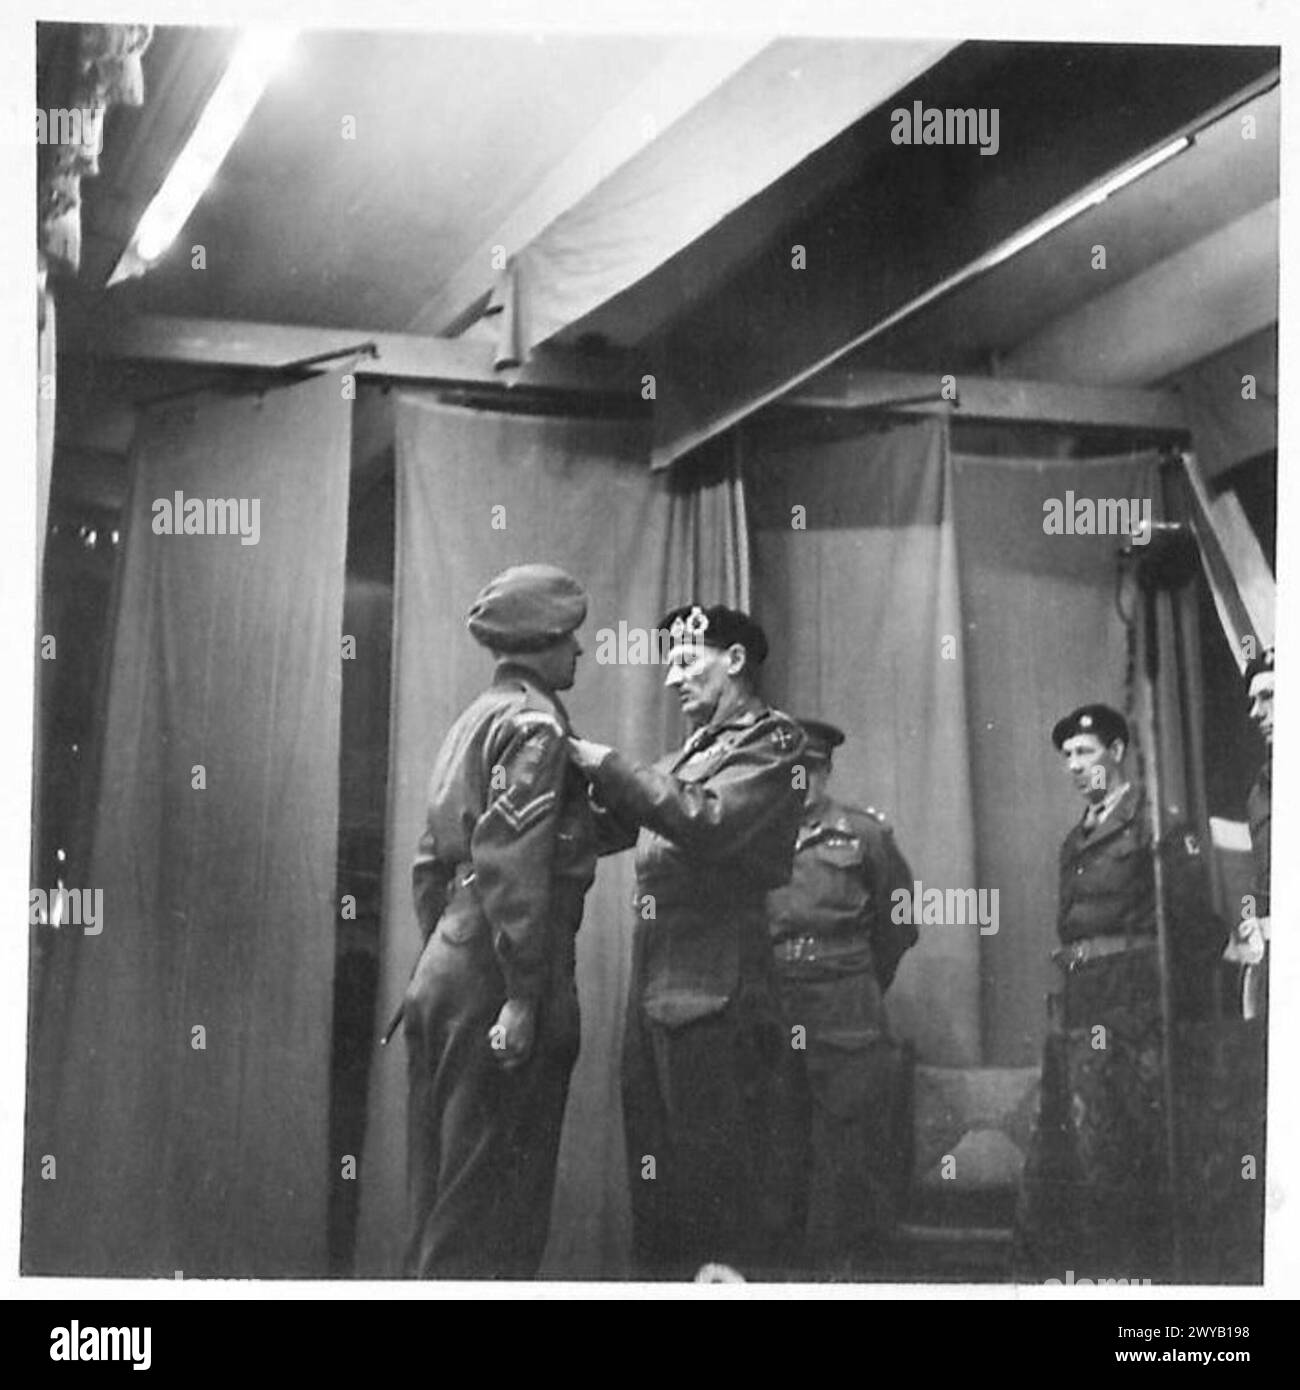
(1187, 307)
(886, 245)
(990, 398)
(725, 144)
(398, 356)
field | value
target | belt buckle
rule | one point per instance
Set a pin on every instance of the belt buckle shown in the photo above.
(794, 949)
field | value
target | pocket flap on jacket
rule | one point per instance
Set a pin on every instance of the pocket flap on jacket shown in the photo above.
(677, 1008)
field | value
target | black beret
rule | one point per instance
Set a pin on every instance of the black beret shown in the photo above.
(822, 737)
(718, 626)
(1261, 665)
(527, 607)
(1106, 723)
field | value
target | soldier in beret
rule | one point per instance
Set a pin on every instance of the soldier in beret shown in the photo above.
(491, 1013)
(837, 950)
(708, 1067)
(1248, 948)
(1095, 1193)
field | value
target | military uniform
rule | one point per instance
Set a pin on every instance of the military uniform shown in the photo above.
(504, 863)
(836, 950)
(708, 1069)
(1095, 1196)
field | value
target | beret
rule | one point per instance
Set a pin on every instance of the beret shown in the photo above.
(1106, 723)
(527, 607)
(1261, 665)
(718, 626)
(822, 737)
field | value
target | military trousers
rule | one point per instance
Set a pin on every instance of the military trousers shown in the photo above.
(1094, 1196)
(856, 1081)
(716, 1135)
(483, 1142)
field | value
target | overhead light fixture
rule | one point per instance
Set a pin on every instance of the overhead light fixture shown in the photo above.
(1058, 217)
(258, 55)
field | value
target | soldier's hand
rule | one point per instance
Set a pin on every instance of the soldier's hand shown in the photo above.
(587, 756)
(513, 1034)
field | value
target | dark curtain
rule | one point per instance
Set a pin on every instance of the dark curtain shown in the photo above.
(855, 579)
(573, 492)
(179, 1060)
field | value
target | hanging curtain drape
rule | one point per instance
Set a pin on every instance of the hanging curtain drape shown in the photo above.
(920, 603)
(477, 491)
(1046, 635)
(855, 576)
(179, 1073)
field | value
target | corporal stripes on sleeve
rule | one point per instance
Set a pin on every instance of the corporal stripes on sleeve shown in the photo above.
(521, 818)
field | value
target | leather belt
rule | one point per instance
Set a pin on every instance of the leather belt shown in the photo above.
(792, 949)
(1076, 954)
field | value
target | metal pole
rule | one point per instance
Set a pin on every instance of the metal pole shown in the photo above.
(1150, 717)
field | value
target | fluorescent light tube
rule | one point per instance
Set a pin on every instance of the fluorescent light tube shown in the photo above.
(257, 56)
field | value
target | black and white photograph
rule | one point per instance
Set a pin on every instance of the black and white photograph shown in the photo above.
(651, 658)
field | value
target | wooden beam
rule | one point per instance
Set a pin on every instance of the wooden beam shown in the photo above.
(888, 245)
(399, 356)
(990, 398)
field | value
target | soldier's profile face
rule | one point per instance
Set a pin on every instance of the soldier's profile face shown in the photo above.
(1093, 766)
(558, 664)
(699, 675)
(1261, 704)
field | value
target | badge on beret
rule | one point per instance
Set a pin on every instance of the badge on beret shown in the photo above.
(693, 626)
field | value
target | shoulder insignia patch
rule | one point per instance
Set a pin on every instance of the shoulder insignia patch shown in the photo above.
(784, 737)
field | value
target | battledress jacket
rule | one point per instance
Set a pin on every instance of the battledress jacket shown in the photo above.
(714, 826)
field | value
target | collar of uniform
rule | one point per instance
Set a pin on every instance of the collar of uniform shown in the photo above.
(749, 713)
(511, 673)
(1110, 801)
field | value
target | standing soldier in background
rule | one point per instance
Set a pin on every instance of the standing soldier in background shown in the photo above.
(1096, 1192)
(708, 1067)
(491, 1013)
(837, 950)
(1248, 947)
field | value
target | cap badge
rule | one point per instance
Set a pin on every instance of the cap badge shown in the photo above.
(694, 625)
